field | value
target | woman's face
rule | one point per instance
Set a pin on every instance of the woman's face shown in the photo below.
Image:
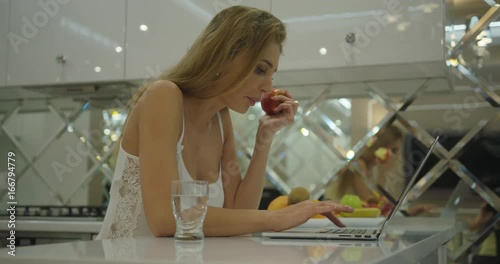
(394, 148)
(258, 83)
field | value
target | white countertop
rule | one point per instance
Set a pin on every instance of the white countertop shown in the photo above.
(54, 226)
(395, 247)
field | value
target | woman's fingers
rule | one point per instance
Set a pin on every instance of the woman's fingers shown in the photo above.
(281, 98)
(287, 94)
(344, 208)
(327, 208)
(288, 105)
(338, 207)
(299, 213)
(286, 112)
(334, 219)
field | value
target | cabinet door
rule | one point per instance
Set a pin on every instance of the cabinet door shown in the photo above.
(384, 32)
(160, 32)
(4, 29)
(63, 41)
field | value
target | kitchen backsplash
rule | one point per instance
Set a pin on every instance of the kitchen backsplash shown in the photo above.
(63, 140)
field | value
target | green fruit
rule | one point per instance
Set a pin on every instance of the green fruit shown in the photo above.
(298, 195)
(351, 200)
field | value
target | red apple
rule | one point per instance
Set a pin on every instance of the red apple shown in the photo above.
(386, 209)
(268, 104)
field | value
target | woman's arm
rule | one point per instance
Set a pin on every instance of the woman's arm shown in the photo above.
(247, 193)
(229, 222)
(159, 113)
(242, 193)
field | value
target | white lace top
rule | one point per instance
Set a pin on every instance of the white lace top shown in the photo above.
(125, 214)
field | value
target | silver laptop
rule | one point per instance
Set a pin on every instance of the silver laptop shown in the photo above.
(352, 233)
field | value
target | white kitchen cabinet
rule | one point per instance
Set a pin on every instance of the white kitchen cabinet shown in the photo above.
(386, 32)
(66, 41)
(4, 28)
(160, 32)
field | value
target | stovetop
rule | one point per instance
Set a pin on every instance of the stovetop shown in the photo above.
(36, 212)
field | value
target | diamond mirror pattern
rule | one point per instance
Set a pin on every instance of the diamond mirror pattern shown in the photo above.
(65, 158)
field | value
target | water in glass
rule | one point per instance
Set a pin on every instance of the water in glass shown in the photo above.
(189, 202)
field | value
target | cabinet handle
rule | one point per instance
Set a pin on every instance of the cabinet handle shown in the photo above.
(60, 59)
(350, 38)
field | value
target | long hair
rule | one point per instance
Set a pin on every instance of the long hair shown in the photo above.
(232, 31)
(384, 138)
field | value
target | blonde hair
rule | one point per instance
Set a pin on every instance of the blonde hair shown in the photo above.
(384, 138)
(232, 31)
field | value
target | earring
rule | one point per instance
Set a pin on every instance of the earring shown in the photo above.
(217, 74)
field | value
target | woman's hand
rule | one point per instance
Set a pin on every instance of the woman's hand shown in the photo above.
(285, 114)
(297, 214)
(420, 209)
(482, 218)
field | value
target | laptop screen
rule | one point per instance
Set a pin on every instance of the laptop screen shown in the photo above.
(408, 187)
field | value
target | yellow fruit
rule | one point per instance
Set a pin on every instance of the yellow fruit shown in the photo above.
(278, 203)
(318, 216)
(362, 212)
(298, 195)
(382, 154)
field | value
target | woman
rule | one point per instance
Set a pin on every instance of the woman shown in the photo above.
(179, 127)
(350, 182)
(389, 139)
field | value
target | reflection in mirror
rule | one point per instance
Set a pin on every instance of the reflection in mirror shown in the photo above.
(7, 145)
(471, 130)
(35, 114)
(63, 144)
(379, 153)
(376, 174)
(462, 119)
(476, 60)
(481, 228)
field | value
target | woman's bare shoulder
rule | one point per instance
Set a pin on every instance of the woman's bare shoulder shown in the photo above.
(160, 106)
(161, 91)
(160, 103)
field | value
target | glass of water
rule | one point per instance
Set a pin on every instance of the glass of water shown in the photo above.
(189, 203)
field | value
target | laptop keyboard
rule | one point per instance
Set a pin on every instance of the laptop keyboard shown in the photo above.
(346, 231)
